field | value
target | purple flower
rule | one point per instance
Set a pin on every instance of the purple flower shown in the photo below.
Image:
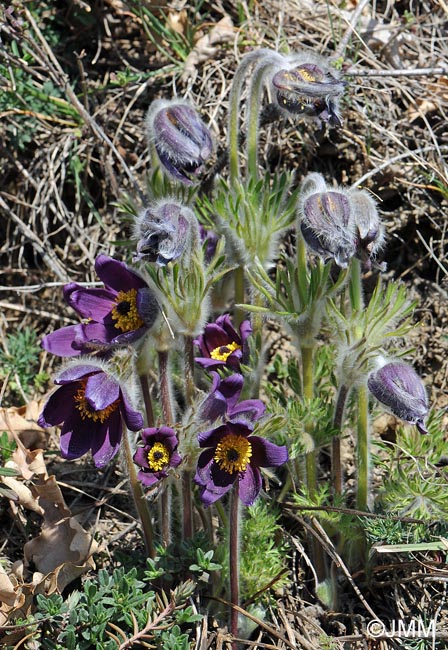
(397, 386)
(222, 401)
(309, 88)
(93, 409)
(221, 345)
(233, 453)
(157, 455)
(182, 141)
(325, 226)
(162, 230)
(119, 314)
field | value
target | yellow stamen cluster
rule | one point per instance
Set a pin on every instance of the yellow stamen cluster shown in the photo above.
(221, 353)
(233, 453)
(125, 313)
(86, 409)
(306, 74)
(158, 456)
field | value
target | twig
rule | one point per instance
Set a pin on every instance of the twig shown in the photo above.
(412, 72)
(350, 29)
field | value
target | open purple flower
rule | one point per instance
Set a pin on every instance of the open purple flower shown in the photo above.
(118, 314)
(181, 140)
(397, 386)
(221, 345)
(157, 455)
(233, 453)
(222, 401)
(93, 409)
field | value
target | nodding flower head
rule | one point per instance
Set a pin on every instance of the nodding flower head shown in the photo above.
(398, 386)
(164, 231)
(340, 224)
(181, 140)
(92, 407)
(309, 86)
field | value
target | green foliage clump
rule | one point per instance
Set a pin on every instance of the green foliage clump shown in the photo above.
(110, 610)
(19, 362)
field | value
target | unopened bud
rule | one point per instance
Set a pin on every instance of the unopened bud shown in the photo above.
(397, 386)
(181, 140)
(309, 88)
(369, 229)
(163, 232)
(325, 226)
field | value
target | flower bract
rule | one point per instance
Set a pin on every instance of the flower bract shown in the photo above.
(157, 454)
(233, 454)
(118, 314)
(92, 408)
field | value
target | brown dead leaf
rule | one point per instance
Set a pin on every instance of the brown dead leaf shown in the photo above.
(8, 594)
(177, 21)
(22, 423)
(207, 46)
(25, 496)
(436, 93)
(63, 547)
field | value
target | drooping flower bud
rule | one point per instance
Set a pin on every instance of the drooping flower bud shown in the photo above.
(163, 232)
(326, 228)
(340, 224)
(181, 140)
(309, 87)
(370, 231)
(398, 386)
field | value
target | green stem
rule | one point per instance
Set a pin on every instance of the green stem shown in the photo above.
(234, 560)
(363, 447)
(308, 394)
(165, 517)
(239, 280)
(252, 118)
(165, 388)
(363, 452)
(139, 498)
(336, 462)
(187, 478)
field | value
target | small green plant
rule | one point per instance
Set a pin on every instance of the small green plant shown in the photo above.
(112, 609)
(19, 362)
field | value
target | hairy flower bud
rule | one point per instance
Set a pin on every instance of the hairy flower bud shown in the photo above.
(369, 229)
(181, 140)
(163, 232)
(309, 87)
(325, 226)
(397, 386)
(340, 224)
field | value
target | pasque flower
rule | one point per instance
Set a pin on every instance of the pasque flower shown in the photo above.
(340, 224)
(398, 386)
(181, 140)
(157, 454)
(162, 231)
(222, 401)
(309, 86)
(233, 454)
(92, 407)
(221, 345)
(118, 314)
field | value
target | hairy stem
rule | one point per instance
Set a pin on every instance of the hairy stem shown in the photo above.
(147, 400)
(187, 478)
(336, 463)
(168, 415)
(140, 501)
(234, 560)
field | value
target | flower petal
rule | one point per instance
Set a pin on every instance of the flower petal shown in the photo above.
(101, 391)
(117, 275)
(132, 418)
(62, 341)
(76, 372)
(76, 437)
(266, 454)
(94, 304)
(249, 485)
(106, 442)
(58, 406)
